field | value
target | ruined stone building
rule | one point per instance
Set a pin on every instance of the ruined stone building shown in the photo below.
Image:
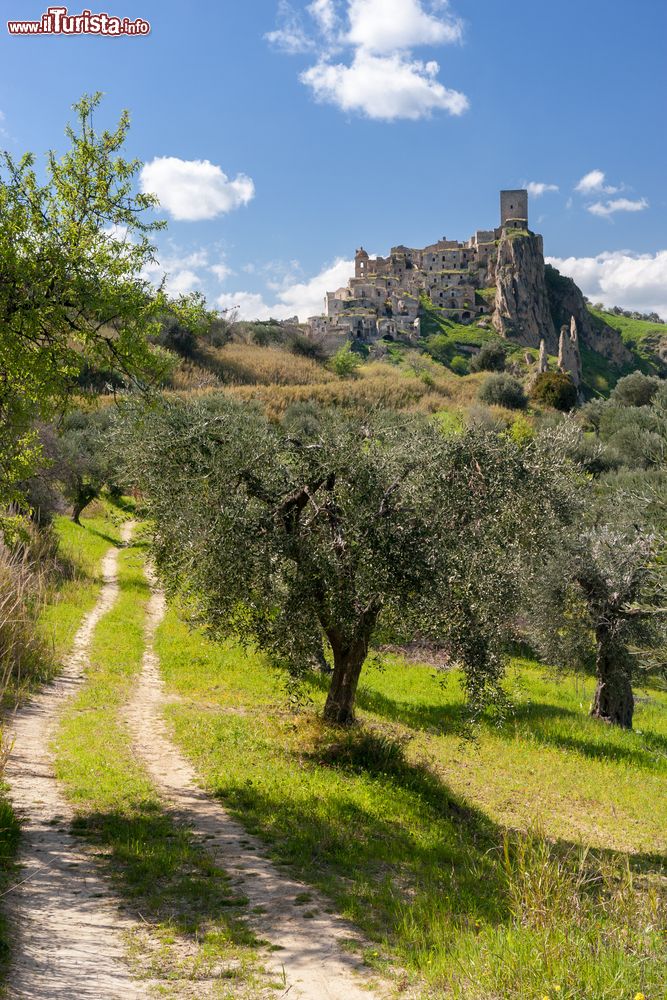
(383, 298)
(497, 279)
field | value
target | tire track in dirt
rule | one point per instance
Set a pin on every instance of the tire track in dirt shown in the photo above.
(67, 928)
(309, 954)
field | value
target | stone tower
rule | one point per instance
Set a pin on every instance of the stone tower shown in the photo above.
(360, 263)
(514, 207)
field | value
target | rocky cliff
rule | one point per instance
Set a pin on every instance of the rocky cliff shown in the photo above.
(522, 308)
(533, 302)
(566, 301)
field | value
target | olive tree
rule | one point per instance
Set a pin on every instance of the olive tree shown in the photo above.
(337, 525)
(603, 597)
(82, 460)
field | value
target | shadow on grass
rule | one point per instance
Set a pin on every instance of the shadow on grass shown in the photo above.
(550, 725)
(649, 751)
(165, 873)
(407, 836)
(102, 534)
(397, 850)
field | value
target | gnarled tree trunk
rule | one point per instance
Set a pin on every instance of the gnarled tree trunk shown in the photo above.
(348, 660)
(613, 701)
(84, 496)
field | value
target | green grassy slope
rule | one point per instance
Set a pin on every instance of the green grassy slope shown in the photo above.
(410, 831)
(642, 338)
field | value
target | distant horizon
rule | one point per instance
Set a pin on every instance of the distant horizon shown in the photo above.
(280, 136)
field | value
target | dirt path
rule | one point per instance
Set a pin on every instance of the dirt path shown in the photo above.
(67, 929)
(309, 956)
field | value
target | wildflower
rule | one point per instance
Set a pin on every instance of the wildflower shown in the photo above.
(639, 996)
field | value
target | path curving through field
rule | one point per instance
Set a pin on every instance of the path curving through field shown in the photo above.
(306, 950)
(67, 929)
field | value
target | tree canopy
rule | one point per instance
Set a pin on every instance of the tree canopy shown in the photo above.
(72, 251)
(337, 526)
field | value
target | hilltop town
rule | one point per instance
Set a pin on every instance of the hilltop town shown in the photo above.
(496, 279)
(383, 299)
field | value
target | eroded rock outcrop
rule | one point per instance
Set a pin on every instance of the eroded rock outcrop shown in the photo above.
(543, 360)
(566, 302)
(522, 310)
(569, 356)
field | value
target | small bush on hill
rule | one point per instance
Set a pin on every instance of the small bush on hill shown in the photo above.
(177, 336)
(503, 390)
(490, 358)
(555, 389)
(459, 365)
(635, 390)
(440, 348)
(345, 361)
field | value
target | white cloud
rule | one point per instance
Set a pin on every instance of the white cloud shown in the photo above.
(178, 270)
(388, 25)
(365, 63)
(245, 305)
(182, 282)
(537, 188)
(594, 183)
(621, 278)
(384, 87)
(607, 208)
(291, 37)
(194, 189)
(325, 14)
(302, 299)
(221, 271)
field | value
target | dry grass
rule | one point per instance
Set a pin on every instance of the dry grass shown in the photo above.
(376, 385)
(24, 579)
(247, 364)
(190, 375)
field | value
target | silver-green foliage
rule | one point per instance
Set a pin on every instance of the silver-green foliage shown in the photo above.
(340, 526)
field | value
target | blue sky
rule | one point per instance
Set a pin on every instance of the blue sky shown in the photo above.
(327, 124)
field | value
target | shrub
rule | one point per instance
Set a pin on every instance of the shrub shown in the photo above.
(521, 431)
(490, 358)
(440, 348)
(298, 343)
(555, 389)
(345, 361)
(635, 390)
(459, 365)
(177, 336)
(503, 390)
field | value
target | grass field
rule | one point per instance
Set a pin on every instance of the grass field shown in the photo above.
(526, 864)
